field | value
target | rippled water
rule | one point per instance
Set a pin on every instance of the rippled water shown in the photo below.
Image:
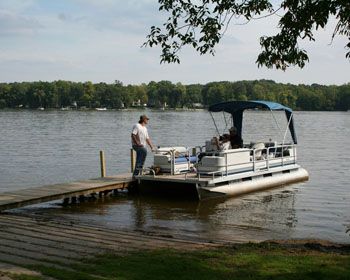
(44, 147)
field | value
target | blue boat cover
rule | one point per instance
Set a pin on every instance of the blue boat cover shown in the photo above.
(236, 108)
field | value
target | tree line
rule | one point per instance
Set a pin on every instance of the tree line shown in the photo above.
(60, 94)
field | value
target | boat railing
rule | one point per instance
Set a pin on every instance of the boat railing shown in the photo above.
(272, 156)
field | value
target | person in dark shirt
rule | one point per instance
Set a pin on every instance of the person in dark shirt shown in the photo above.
(235, 139)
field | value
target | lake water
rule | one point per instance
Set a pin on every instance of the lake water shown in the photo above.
(46, 147)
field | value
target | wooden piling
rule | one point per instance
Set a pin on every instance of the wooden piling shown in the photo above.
(66, 201)
(132, 159)
(103, 164)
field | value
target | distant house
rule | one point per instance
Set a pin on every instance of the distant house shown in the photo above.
(197, 105)
(138, 104)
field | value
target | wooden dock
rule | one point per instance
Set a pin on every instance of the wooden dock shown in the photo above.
(35, 195)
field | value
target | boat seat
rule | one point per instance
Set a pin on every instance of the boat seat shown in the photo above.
(258, 149)
(182, 159)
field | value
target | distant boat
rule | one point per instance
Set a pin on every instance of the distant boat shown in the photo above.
(41, 108)
(65, 108)
(101, 109)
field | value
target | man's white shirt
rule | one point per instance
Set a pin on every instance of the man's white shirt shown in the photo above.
(142, 133)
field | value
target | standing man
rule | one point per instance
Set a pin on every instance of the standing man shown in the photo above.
(139, 139)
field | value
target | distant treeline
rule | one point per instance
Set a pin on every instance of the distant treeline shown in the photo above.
(59, 94)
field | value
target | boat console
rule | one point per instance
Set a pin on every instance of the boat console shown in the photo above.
(174, 160)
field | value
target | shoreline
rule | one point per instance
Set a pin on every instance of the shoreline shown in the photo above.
(35, 247)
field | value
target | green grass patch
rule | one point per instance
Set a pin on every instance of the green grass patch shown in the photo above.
(262, 261)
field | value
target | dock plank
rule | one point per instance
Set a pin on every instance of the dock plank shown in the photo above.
(34, 195)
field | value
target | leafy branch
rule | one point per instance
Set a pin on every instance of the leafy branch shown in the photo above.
(202, 24)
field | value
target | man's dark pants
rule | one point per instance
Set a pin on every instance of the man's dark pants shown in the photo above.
(141, 153)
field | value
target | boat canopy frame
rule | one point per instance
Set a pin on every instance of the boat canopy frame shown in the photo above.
(236, 109)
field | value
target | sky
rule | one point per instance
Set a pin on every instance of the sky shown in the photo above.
(100, 41)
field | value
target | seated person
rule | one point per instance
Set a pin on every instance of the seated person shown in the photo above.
(235, 140)
(223, 142)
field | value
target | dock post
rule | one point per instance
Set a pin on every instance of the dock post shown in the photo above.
(103, 164)
(66, 201)
(132, 159)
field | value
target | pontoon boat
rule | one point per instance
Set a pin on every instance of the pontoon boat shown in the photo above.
(210, 170)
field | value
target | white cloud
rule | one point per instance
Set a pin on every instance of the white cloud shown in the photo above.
(12, 24)
(16, 6)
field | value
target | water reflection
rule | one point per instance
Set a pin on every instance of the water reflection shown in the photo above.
(258, 216)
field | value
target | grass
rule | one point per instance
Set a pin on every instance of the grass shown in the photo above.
(249, 261)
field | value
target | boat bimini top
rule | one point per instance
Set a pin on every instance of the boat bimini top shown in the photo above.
(236, 108)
